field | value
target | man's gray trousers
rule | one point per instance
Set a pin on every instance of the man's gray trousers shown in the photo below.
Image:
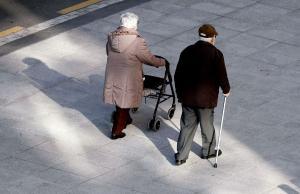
(190, 119)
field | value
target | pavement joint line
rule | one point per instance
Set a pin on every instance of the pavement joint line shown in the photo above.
(55, 21)
(10, 31)
(78, 6)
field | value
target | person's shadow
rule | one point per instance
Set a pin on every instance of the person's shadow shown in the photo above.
(85, 97)
(163, 137)
(73, 93)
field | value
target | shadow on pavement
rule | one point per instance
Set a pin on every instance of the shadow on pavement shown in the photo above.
(161, 139)
(70, 92)
(287, 189)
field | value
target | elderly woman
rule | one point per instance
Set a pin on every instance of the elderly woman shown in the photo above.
(123, 87)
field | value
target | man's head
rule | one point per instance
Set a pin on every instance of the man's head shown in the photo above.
(208, 33)
(129, 20)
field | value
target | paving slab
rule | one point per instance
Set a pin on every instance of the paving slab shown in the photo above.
(234, 24)
(55, 129)
(194, 14)
(31, 184)
(258, 13)
(236, 3)
(290, 4)
(95, 187)
(214, 8)
(162, 7)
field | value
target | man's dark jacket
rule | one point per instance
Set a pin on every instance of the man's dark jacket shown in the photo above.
(199, 74)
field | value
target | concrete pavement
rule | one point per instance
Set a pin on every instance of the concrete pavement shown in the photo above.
(54, 128)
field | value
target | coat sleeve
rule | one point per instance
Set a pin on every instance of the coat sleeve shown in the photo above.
(178, 76)
(145, 56)
(222, 73)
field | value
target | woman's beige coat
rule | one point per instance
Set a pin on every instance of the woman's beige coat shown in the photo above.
(126, 52)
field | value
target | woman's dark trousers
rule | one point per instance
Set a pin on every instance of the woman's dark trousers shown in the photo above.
(121, 119)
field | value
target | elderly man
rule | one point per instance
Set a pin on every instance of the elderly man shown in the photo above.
(199, 74)
(123, 87)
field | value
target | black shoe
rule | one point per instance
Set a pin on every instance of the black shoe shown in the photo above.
(178, 162)
(121, 135)
(211, 155)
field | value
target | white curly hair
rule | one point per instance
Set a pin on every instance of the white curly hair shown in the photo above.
(129, 20)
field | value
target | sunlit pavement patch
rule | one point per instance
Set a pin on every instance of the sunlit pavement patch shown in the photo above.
(55, 21)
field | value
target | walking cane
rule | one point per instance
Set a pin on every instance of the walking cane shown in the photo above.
(219, 138)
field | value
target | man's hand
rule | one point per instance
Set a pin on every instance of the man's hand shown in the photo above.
(226, 95)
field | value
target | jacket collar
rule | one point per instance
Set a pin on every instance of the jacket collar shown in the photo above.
(201, 42)
(124, 31)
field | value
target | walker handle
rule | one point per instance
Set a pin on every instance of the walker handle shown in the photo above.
(167, 62)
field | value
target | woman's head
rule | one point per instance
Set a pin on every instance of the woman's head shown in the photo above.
(129, 20)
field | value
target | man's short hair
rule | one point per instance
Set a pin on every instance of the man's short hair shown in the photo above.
(207, 31)
(129, 20)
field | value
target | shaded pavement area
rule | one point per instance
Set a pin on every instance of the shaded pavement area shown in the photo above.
(54, 127)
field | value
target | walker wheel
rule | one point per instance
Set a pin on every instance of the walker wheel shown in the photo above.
(156, 125)
(171, 112)
(215, 165)
(134, 110)
(151, 124)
